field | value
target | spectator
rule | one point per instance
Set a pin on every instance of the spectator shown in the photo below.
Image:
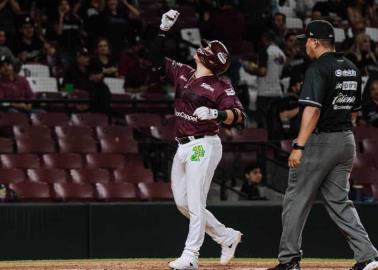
(67, 30)
(90, 12)
(136, 67)
(28, 46)
(12, 86)
(296, 61)
(4, 49)
(361, 53)
(252, 182)
(99, 93)
(289, 108)
(370, 109)
(76, 78)
(219, 27)
(362, 10)
(115, 24)
(9, 9)
(52, 58)
(332, 10)
(279, 28)
(270, 64)
(103, 58)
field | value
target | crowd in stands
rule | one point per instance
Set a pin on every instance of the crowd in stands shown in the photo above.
(84, 41)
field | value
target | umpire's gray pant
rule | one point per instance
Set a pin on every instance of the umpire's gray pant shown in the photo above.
(325, 167)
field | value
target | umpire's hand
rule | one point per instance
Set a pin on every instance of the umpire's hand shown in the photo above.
(295, 158)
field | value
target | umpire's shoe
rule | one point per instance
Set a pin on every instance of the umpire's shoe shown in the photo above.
(293, 265)
(366, 265)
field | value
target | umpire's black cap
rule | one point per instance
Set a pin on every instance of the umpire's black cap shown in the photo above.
(319, 29)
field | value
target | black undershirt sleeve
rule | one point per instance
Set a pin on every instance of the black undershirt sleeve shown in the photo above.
(157, 50)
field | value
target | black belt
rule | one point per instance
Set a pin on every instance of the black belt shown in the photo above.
(330, 131)
(184, 140)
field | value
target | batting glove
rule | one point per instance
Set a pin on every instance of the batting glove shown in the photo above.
(168, 19)
(205, 113)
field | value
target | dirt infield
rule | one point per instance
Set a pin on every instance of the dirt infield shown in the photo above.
(161, 264)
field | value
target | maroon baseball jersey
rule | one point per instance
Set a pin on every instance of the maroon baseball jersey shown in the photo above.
(192, 93)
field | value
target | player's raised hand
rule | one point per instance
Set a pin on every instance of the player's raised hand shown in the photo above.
(168, 19)
(205, 113)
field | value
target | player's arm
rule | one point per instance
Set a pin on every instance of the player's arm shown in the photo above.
(231, 117)
(157, 46)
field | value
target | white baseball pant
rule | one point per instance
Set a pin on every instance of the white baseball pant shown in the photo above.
(192, 171)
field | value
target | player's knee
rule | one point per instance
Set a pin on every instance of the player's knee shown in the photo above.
(183, 208)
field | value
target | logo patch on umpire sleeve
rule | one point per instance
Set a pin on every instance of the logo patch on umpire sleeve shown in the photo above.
(198, 152)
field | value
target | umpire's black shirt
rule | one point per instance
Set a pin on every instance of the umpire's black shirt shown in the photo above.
(332, 83)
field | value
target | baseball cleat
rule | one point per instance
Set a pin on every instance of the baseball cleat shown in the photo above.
(228, 250)
(184, 263)
(293, 265)
(366, 265)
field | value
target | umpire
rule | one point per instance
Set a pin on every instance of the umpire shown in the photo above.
(323, 153)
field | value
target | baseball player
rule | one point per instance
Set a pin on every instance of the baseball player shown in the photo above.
(322, 156)
(202, 100)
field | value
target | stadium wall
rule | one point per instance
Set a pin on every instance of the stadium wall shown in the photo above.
(131, 230)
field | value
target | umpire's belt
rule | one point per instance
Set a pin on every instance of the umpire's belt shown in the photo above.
(184, 140)
(329, 130)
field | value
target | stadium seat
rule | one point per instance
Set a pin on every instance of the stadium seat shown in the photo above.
(156, 191)
(118, 145)
(370, 146)
(49, 119)
(114, 132)
(116, 192)
(339, 35)
(247, 158)
(250, 135)
(364, 176)
(35, 145)
(77, 145)
(25, 132)
(192, 35)
(8, 176)
(288, 11)
(363, 161)
(73, 132)
(105, 161)
(35, 70)
(6, 146)
(89, 119)
(121, 107)
(163, 133)
(21, 161)
(90, 175)
(62, 161)
(294, 23)
(29, 191)
(116, 85)
(133, 175)
(374, 189)
(43, 84)
(73, 192)
(143, 120)
(47, 175)
(365, 133)
(13, 119)
(373, 33)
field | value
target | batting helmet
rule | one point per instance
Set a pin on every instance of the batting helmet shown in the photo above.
(217, 59)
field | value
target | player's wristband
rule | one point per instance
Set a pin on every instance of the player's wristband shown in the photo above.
(298, 147)
(222, 115)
